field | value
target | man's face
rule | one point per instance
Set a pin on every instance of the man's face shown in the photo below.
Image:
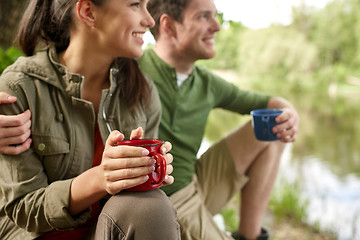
(196, 34)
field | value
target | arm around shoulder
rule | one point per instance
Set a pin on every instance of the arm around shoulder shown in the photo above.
(15, 121)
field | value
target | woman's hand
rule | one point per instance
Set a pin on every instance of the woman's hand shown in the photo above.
(165, 148)
(124, 166)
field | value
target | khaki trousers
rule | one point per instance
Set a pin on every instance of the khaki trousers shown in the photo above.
(214, 184)
(147, 215)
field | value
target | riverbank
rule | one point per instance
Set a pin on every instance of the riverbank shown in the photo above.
(284, 230)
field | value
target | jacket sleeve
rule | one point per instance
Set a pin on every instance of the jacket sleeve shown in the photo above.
(29, 200)
(153, 112)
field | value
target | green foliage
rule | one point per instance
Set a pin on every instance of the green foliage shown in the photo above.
(221, 122)
(8, 57)
(334, 30)
(231, 219)
(276, 50)
(320, 48)
(286, 204)
(314, 63)
(225, 43)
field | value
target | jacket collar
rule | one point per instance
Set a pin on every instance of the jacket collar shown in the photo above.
(45, 66)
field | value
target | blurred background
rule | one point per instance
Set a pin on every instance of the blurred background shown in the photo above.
(307, 52)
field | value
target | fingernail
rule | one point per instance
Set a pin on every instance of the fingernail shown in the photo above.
(10, 97)
(166, 177)
(146, 178)
(145, 152)
(163, 150)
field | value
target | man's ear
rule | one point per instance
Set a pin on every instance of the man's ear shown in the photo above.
(84, 10)
(167, 25)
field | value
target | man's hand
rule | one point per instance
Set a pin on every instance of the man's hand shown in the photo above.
(14, 130)
(289, 120)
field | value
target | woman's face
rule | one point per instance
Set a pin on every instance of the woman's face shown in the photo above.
(120, 25)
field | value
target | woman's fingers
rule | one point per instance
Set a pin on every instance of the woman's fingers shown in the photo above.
(117, 186)
(112, 164)
(128, 166)
(168, 180)
(128, 173)
(137, 133)
(166, 147)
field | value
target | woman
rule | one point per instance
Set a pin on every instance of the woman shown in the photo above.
(78, 90)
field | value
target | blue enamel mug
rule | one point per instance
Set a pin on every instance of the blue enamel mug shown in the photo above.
(263, 120)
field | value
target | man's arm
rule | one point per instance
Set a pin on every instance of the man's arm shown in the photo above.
(14, 130)
(287, 131)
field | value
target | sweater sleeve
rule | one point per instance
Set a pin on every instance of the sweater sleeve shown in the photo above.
(228, 96)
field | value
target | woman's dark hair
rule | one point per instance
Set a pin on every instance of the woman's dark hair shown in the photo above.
(50, 21)
(47, 21)
(173, 8)
(135, 87)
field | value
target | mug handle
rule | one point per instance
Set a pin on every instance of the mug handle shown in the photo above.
(265, 121)
(160, 167)
(158, 176)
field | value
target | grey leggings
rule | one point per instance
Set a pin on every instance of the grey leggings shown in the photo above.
(138, 215)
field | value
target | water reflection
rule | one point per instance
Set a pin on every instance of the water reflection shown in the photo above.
(326, 159)
(334, 202)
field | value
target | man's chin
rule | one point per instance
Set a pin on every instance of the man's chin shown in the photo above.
(208, 55)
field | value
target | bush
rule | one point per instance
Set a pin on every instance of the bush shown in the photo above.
(8, 57)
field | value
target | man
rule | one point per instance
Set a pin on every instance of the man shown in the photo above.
(184, 33)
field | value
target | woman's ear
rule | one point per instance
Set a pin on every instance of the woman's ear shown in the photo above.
(84, 10)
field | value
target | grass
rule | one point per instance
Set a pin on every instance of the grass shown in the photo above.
(286, 203)
(288, 210)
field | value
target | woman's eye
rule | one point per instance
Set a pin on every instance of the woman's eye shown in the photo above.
(135, 4)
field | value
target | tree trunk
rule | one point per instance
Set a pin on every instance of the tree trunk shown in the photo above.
(11, 12)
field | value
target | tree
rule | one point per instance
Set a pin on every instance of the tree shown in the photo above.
(10, 14)
(334, 30)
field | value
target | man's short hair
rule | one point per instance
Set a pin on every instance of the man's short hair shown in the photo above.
(173, 8)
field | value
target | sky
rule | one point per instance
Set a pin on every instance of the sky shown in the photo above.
(262, 13)
(257, 14)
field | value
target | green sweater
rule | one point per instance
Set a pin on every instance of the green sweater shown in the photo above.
(185, 110)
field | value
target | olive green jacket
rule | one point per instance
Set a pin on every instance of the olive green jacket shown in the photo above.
(36, 183)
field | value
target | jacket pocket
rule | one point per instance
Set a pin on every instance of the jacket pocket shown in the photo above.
(50, 145)
(54, 153)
